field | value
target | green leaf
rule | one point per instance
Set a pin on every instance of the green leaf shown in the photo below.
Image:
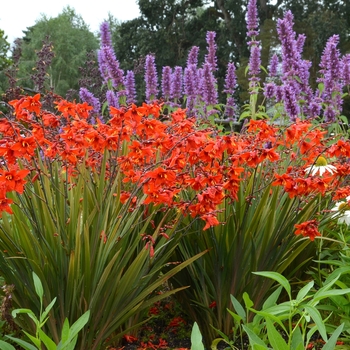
(46, 311)
(38, 286)
(247, 301)
(79, 324)
(316, 316)
(275, 337)
(22, 311)
(239, 308)
(196, 338)
(254, 339)
(297, 342)
(25, 345)
(6, 346)
(65, 331)
(35, 341)
(49, 343)
(277, 277)
(330, 345)
(272, 299)
(303, 291)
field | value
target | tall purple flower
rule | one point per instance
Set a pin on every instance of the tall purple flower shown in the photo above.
(112, 64)
(193, 56)
(208, 86)
(176, 83)
(130, 89)
(151, 78)
(229, 89)
(345, 69)
(190, 87)
(273, 65)
(254, 63)
(166, 82)
(290, 103)
(252, 19)
(331, 78)
(112, 99)
(211, 47)
(103, 66)
(93, 101)
(106, 38)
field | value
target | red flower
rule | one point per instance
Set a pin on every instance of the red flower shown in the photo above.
(308, 229)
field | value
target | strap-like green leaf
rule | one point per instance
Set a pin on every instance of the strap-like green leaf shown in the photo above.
(275, 338)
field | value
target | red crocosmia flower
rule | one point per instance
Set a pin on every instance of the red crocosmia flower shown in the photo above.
(5, 202)
(13, 179)
(66, 108)
(341, 148)
(341, 193)
(308, 229)
(25, 147)
(50, 120)
(83, 110)
(178, 115)
(305, 146)
(129, 338)
(210, 220)
(212, 304)
(161, 176)
(32, 104)
(270, 154)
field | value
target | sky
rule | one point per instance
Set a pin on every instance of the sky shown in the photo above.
(17, 16)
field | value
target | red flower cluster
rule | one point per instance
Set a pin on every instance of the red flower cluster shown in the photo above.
(175, 162)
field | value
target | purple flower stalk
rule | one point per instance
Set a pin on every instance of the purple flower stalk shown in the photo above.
(193, 56)
(290, 103)
(211, 55)
(106, 38)
(345, 69)
(112, 64)
(91, 100)
(254, 63)
(273, 65)
(190, 86)
(151, 79)
(229, 89)
(176, 83)
(166, 82)
(270, 90)
(130, 89)
(112, 99)
(252, 19)
(208, 86)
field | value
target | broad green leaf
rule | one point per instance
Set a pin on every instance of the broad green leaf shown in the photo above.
(49, 343)
(330, 345)
(303, 291)
(253, 338)
(35, 341)
(316, 316)
(277, 277)
(6, 346)
(239, 308)
(272, 299)
(38, 286)
(297, 342)
(79, 324)
(196, 338)
(275, 338)
(25, 345)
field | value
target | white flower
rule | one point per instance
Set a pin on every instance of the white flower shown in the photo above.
(342, 210)
(321, 167)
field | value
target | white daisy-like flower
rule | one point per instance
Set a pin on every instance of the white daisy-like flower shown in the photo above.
(321, 166)
(342, 210)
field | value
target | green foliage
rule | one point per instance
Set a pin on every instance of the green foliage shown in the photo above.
(71, 40)
(298, 318)
(86, 248)
(69, 334)
(256, 234)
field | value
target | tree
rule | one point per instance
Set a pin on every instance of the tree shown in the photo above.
(4, 59)
(71, 40)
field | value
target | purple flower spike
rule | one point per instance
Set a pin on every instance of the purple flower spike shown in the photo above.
(273, 65)
(252, 19)
(130, 89)
(290, 102)
(166, 82)
(208, 86)
(254, 64)
(211, 56)
(230, 79)
(193, 56)
(345, 68)
(112, 64)
(91, 100)
(151, 79)
(176, 83)
(106, 39)
(190, 86)
(112, 99)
